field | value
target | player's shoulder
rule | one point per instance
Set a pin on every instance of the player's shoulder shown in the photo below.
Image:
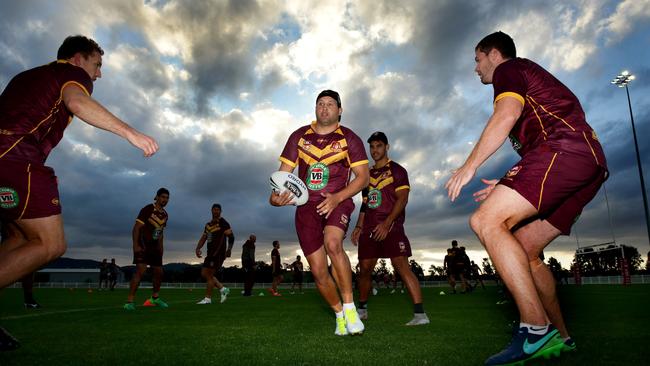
(347, 132)
(396, 167)
(223, 222)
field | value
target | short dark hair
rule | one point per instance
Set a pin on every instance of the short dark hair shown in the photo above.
(162, 191)
(275, 242)
(499, 41)
(332, 94)
(378, 136)
(78, 44)
(454, 242)
(216, 205)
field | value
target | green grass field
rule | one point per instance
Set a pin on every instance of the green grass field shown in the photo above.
(610, 324)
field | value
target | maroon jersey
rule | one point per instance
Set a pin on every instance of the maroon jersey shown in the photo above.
(154, 221)
(214, 233)
(379, 198)
(324, 161)
(276, 266)
(552, 115)
(32, 113)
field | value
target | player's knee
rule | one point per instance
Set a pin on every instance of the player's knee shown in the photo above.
(334, 247)
(55, 249)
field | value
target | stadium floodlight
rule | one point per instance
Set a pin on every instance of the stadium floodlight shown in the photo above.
(621, 80)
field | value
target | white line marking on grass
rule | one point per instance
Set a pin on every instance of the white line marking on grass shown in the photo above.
(40, 313)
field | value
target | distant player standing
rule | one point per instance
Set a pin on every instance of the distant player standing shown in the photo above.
(276, 268)
(326, 153)
(248, 264)
(215, 233)
(113, 273)
(448, 265)
(35, 108)
(296, 270)
(103, 274)
(148, 248)
(561, 169)
(379, 232)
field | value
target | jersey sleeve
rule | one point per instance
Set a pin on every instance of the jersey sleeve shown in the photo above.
(400, 178)
(74, 75)
(356, 150)
(509, 81)
(290, 152)
(225, 225)
(144, 214)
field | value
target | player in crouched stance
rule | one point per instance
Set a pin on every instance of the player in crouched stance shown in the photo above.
(561, 169)
(325, 153)
(215, 233)
(380, 228)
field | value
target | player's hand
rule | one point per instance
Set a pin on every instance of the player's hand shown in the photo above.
(356, 234)
(380, 232)
(485, 192)
(228, 253)
(198, 252)
(328, 205)
(143, 142)
(281, 199)
(459, 178)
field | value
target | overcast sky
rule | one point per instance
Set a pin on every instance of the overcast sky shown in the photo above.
(222, 84)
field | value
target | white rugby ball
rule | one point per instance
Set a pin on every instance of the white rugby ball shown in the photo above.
(282, 181)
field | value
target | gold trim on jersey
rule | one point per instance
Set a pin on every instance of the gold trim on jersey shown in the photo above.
(590, 147)
(156, 221)
(292, 164)
(375, 183)
(360, 162)
(510, 94)
(541, 191)
(531, 101)
(29, 189)
(402, 187)
(52, 110)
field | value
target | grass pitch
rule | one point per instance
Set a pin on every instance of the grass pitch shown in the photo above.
(609, 323)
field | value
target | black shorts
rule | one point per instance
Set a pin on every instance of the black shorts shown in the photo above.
(297, 277)
(214, 262)
(151, 255)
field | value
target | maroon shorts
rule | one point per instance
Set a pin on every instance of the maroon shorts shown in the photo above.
(215, 261)
(310, 225)
(396, 244)
(558, 184)
(151, 255)
(27, 191)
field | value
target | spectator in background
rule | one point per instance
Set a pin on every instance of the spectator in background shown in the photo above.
(248, 264)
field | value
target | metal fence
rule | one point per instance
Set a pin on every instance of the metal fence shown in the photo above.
(596, 280)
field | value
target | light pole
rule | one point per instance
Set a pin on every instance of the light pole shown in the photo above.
(621, 81)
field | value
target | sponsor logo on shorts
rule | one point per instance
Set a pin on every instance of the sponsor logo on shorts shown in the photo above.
(55, 201)
(317, 176)
(8, 198)
(345, 219)
(402, 246)
(513, 171)
(593, 135)
(374, 198)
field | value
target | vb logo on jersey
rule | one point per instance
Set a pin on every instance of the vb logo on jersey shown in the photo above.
(374, 198)
(515, 143)
(317, 176)
(8, 198)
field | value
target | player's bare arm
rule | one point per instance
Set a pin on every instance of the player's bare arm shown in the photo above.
(93, 113)
(285, 198)
(136, 236)
(505, 115)
(380, 232)
(200, 244)
(482, 194)
(332, 200)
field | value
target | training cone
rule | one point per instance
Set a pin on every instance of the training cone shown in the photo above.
(442, 293)
(262, 293)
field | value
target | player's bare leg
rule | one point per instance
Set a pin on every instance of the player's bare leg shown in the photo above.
(365, 278)
(492, 222)
(31, 243)
(140, 269)
(534, 237)
(157, 279)
(402, 266)
(333, 237)
(324, 282)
